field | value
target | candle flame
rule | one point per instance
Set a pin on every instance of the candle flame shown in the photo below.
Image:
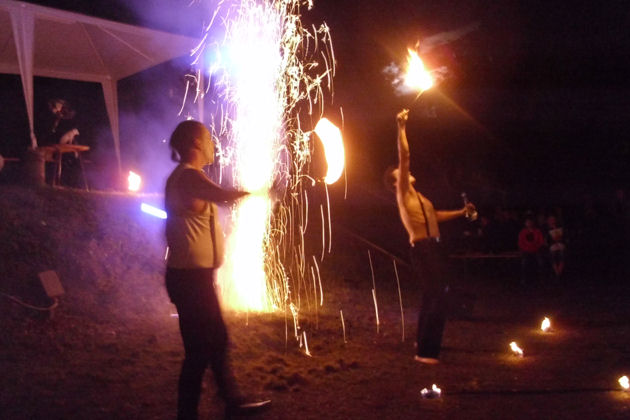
(516, 349)
(417, 76)
(134, 181)
(624, 382)
(546, 325)
(331, 138)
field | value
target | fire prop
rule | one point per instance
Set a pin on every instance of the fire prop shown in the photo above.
(330, 136)
(417, 77)
(134, 181)
(267, 74)
(434, 392)
(624, 382)
(516, 349)
(545, 326)
(413, 77)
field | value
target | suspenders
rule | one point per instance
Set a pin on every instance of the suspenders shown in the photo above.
(424, 213)
(213, 235)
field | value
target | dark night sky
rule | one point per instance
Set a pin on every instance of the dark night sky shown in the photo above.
(537, 97)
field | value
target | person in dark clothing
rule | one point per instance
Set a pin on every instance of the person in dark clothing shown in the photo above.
(428, 257)
(195, 241)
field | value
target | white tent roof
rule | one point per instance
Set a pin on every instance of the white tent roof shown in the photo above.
(40, 41)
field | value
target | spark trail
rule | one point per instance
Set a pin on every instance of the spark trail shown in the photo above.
(267, 78)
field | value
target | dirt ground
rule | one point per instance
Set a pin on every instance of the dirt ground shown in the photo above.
(111, 349)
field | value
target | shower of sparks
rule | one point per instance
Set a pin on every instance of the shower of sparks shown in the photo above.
(516, 349)
(134, 181)
(343, 326)
(267, 78)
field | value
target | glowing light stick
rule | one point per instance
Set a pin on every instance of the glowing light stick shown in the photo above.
(153, 211)
(624, 382)
(516, 349)
(545, 325)
(134, 181)
(331, 138)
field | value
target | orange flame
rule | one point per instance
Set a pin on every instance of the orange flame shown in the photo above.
(417, 76)
(331, 138)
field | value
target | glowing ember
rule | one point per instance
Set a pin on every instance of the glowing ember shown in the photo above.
(516, 349)
(331, 138)
(134, 181)
(434, 392)
(417, 76)
(624, 382)
(546, 325)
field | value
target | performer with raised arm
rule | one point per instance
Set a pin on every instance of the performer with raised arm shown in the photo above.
(428, 257)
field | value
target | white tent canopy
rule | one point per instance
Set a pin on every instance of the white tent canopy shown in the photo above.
(41, 41)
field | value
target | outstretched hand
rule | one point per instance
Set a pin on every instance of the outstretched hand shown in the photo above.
(469, 209)
(402, 117)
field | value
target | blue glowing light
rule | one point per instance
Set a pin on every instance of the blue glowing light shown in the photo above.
(153, 211)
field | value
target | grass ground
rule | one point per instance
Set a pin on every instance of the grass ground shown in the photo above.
(112, 349)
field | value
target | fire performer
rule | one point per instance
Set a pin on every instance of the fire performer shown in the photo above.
(195, 242)
(428, 257)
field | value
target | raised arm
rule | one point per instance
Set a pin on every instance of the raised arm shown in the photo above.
(403, 151)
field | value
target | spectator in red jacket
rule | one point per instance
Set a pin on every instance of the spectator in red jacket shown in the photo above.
(530, 243)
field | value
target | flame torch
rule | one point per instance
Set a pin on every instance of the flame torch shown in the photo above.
(417, 77)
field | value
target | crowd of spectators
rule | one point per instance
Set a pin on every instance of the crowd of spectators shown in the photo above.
(590, 235)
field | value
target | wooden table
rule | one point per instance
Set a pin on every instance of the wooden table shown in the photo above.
(55, 152)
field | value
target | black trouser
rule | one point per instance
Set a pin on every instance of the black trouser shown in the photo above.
(204, 335)
(429, 263)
